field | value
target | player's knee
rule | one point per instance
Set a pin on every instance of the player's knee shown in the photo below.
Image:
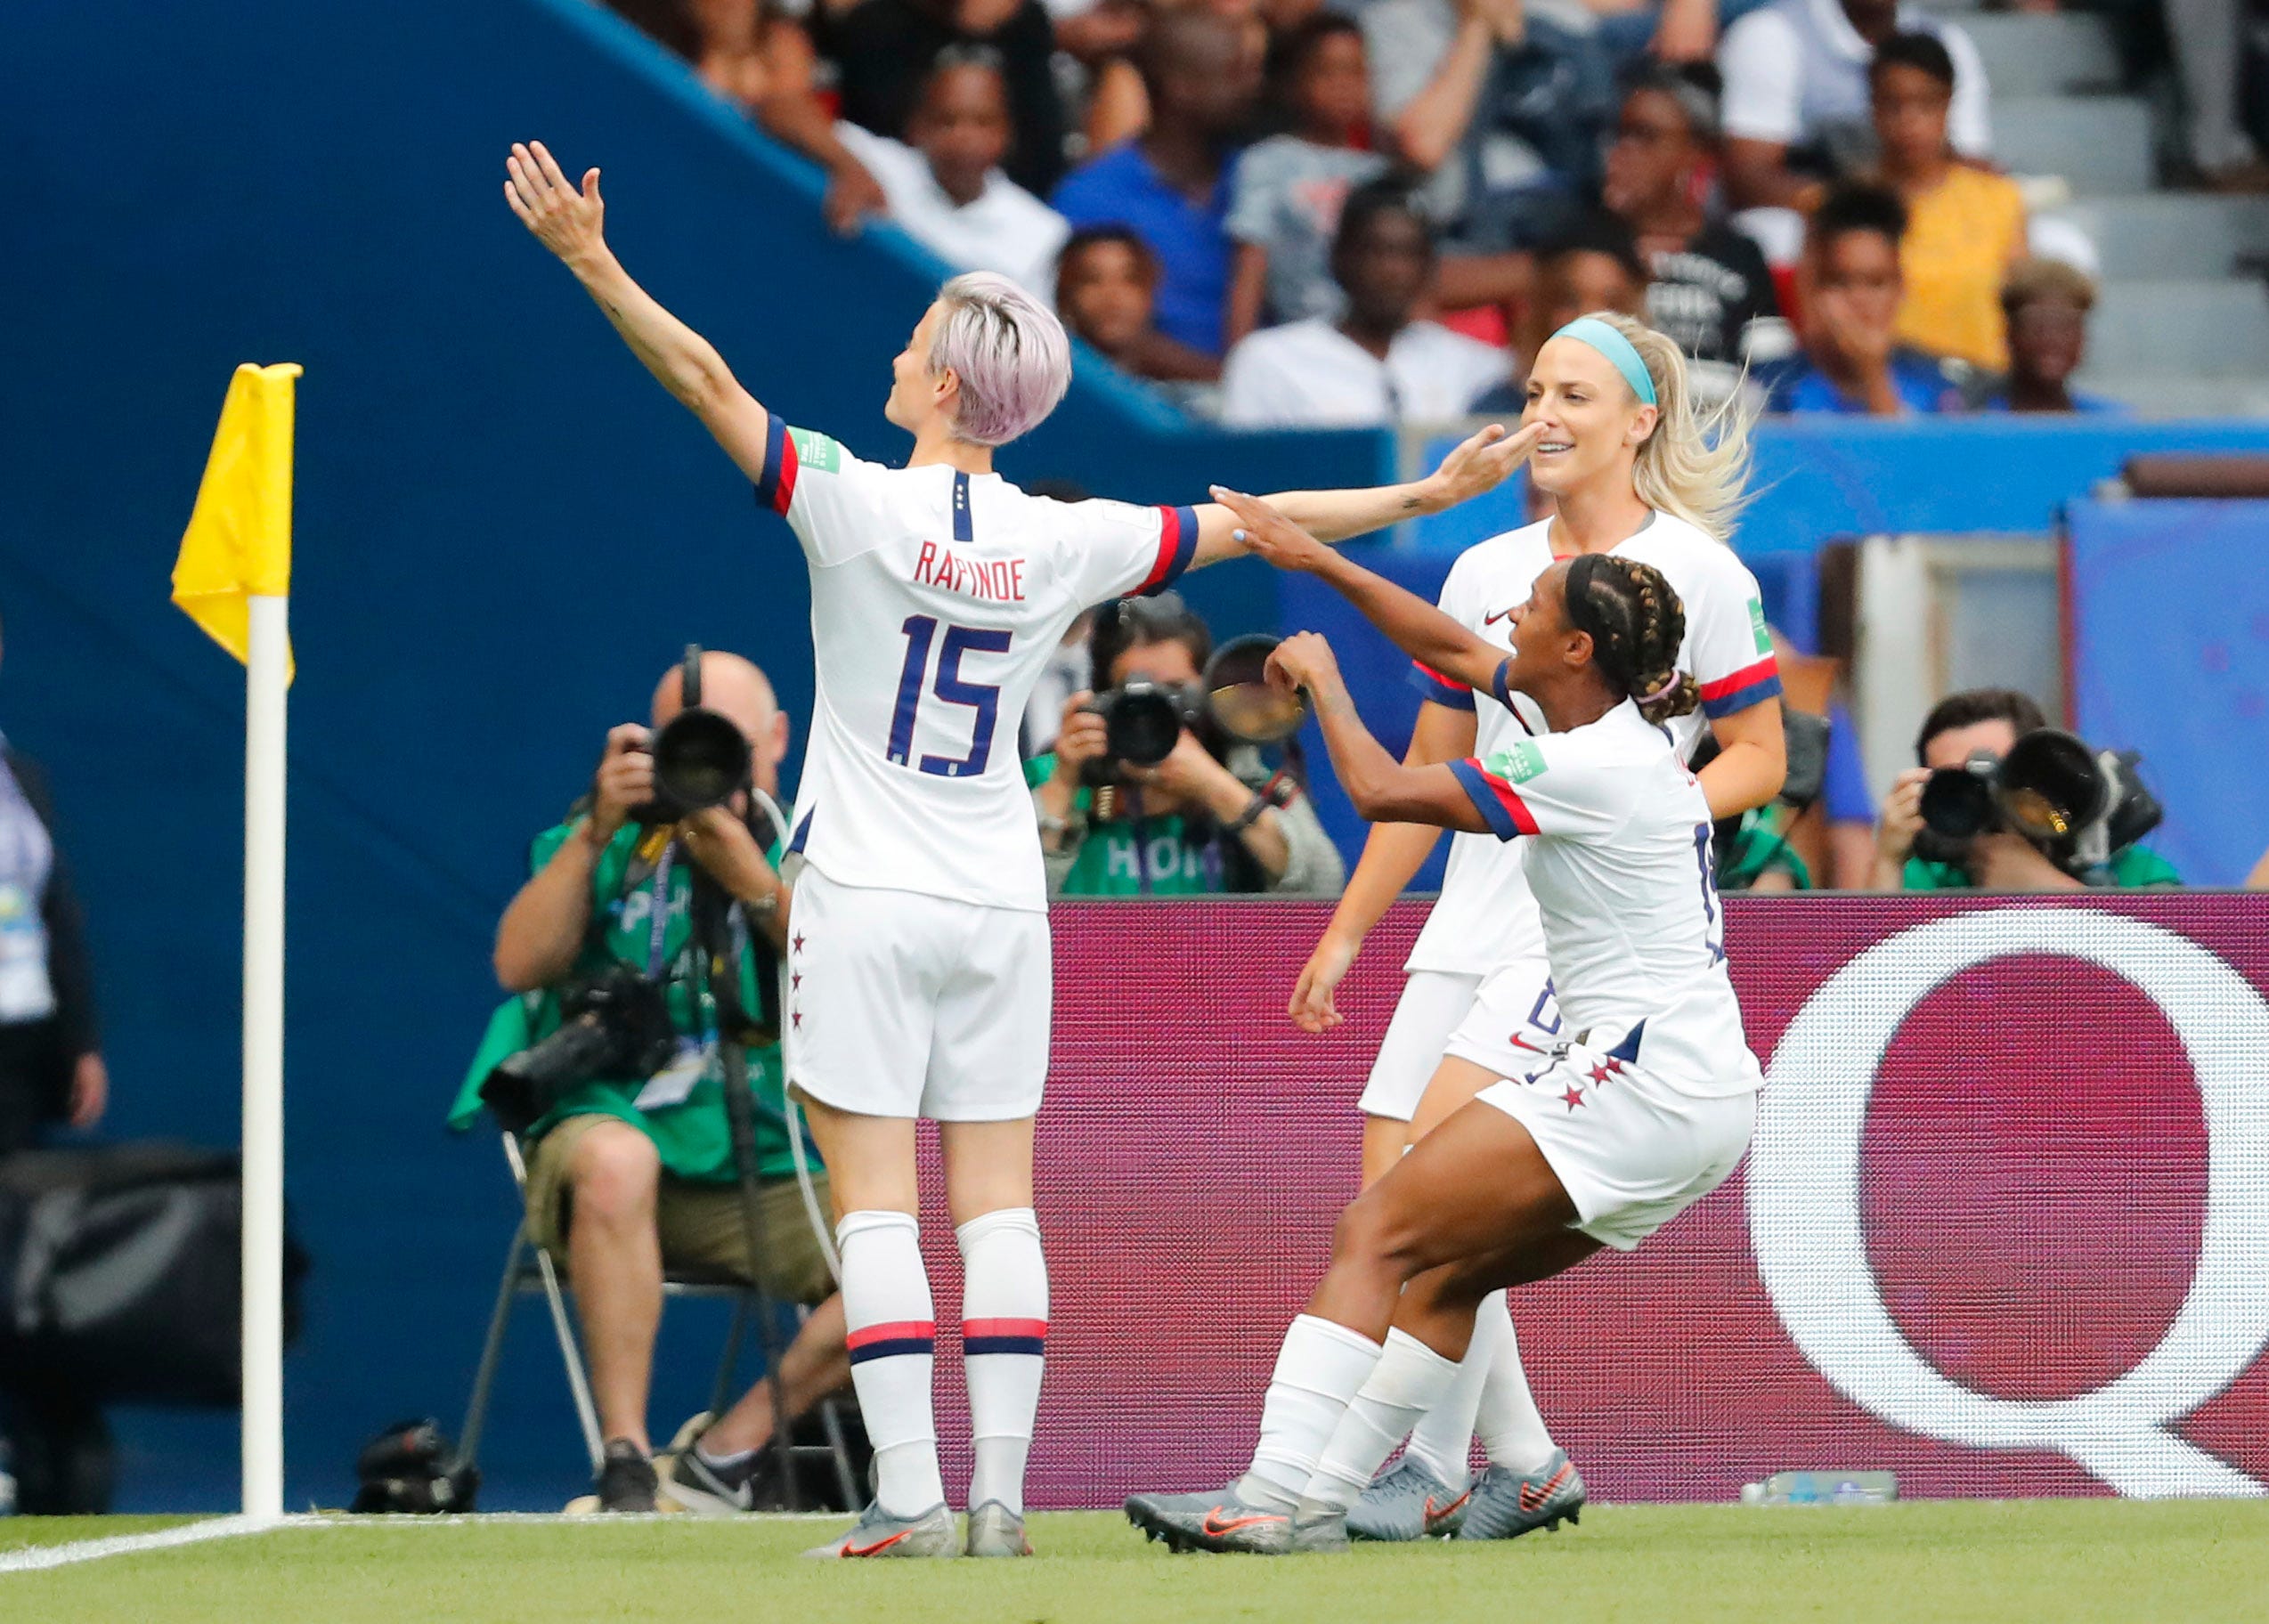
(616, 1173)
(1366, 1235)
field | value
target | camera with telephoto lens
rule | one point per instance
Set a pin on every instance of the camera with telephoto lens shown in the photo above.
(701, 758)
(1143, 721)
(614, 1025)
(2078, 804)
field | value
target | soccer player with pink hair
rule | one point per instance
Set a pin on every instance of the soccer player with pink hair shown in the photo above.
(919, 968)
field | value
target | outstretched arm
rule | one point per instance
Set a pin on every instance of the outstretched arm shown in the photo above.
(1383, 790)
(572, 224)
(1478, 465)
(1416, 626)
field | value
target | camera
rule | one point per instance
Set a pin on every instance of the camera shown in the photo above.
(614, 1025)
(700, 760)
(1143, 720)
(2080, 805)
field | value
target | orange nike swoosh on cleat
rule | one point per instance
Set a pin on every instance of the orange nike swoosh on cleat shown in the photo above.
(1533, 1497)
(1215, 1526)
(879, 1545)
(1434, 1515)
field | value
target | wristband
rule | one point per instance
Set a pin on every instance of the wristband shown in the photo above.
(1261, 802)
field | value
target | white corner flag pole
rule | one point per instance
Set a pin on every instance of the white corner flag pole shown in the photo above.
(266, 672)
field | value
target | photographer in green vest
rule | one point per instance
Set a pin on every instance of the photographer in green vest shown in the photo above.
(631, 1176)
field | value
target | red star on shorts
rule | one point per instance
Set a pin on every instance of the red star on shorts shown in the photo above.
(796, 1020)
(1600, 1074)
(1575, 1096)
(796, 982)
(798, 943)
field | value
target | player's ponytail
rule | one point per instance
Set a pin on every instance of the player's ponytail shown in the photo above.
(1636, 626)
(1694, 466)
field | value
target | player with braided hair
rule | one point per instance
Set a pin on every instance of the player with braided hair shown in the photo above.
(1642, 1108)
(1636, 473)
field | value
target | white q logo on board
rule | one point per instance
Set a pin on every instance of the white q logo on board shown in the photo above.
(1805, 1226)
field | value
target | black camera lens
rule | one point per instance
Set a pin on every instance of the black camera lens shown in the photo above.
(699, 759)
(1957, 802)
(1141, 723)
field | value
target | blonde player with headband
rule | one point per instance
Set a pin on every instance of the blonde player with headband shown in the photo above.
(1633, 471)
(918, 946)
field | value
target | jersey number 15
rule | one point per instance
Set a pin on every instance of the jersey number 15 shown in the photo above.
(984, 698)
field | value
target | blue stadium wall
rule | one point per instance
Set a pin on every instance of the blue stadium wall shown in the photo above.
(505, 533)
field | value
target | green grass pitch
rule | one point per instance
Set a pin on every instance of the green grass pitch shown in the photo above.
(1945, 1562)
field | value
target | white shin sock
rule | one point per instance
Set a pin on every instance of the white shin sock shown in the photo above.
(1322, 1367)
(1442, 1441)
(886, 1307)
(1409, 1380)
(1003, 1336)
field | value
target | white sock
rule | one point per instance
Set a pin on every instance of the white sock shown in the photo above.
(886, 1307)
(1004, 1332)
(1442, 1441)
(1513, 1433)
(1410, 1379)
(1322, 1367)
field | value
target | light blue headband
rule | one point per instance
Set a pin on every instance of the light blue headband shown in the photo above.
(1616, 348)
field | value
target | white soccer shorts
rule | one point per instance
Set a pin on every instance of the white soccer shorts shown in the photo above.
(1432, 1004)
(1631, 1151)
(901, 1005)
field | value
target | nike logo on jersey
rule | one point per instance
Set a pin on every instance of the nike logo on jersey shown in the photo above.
(1490, 620)
(997, 581)
(1217, 1524)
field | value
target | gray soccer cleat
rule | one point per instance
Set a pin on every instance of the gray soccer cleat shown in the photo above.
(1211, 1522)
(996, 1530)
(1410, 1503)
(1505, 1505)
(878, 1533)
(1315, 1531)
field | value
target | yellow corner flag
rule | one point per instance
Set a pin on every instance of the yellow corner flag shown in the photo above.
(239, 541)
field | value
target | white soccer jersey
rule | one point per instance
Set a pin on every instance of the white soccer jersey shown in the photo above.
(937, 598)
(1484, 917)
(1618, 859)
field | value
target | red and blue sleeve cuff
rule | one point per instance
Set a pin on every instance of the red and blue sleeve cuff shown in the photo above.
(1501, 687)
(1439, 688)
(776, 482)
(1752, 685)
(1501, 805)
(1177, 545)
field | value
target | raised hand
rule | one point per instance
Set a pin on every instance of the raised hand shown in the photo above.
(571, 223)
(1266, 533)
(1480, 463)
(1304, 660)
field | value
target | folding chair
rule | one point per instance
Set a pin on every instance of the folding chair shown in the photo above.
(530, 1270)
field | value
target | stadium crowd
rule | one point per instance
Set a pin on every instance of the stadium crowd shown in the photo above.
(1804, 191)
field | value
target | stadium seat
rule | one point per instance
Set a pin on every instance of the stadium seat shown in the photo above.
(530, 1270)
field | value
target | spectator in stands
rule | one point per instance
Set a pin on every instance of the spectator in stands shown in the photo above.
(1376, 364)
(884, 50)
(1709, 288)
(628, 1176)
(1986, 721)
(1210, 818)
(1966, 226)
(1118, 103)
(2208, 41)
(1505, 105)
(1284, 208)
(1796, 95)
(1850, 288)
(2046, 303)
(1107, 283)
(1172, 184)
(763, 64)
(947, 189)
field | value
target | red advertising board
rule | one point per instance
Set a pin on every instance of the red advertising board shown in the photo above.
(2004, 1229)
